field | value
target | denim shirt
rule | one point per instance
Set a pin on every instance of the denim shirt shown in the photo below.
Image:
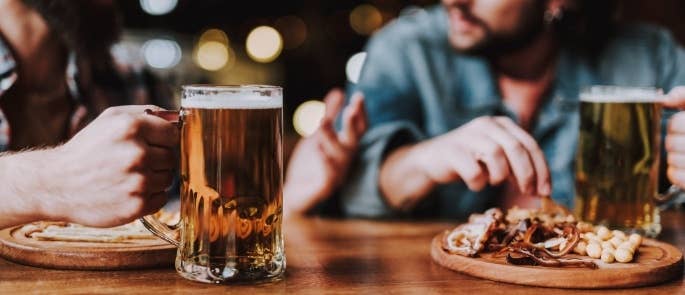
(417, 87)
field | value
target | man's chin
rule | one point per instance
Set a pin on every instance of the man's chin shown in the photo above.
(470, 46)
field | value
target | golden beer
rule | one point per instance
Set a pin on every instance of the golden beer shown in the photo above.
(231, 184)
(617, 161)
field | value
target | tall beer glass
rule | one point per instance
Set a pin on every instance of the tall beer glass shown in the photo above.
(617, 162)
(231, 185)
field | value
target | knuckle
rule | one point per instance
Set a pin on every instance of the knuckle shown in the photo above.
(517, 148)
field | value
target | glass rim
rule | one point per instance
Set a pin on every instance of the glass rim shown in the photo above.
(616, 93)
(248, 87)
(617, 88)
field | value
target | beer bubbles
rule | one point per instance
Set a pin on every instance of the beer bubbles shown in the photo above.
(213, 51)
(307, 117)
(158, 7)
(354, 66)
(264, 44)
(161, 53)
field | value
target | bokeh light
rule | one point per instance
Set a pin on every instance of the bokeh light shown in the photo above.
(307, 117)
(293, 29)
(365, 19)
(161, 53)
(264, 44)
(214, 35)
(212, 55)
(354, 66)
(158, 7)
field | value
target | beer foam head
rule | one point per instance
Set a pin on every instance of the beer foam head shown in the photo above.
(246, 97)
(615, 94)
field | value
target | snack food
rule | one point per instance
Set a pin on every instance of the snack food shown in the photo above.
(69, 232)
(548, 236)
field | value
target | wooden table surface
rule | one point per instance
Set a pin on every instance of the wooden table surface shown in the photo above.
(325, 256)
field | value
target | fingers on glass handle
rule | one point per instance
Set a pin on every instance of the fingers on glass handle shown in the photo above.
(171, 116)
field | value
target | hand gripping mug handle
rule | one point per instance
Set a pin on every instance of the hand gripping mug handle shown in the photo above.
(169, 233)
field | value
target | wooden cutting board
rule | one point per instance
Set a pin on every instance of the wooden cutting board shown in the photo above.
(143, 253)
(656, 262)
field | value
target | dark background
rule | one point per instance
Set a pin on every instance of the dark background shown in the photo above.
(310, 70)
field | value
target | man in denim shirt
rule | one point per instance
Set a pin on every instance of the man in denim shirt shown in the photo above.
(474, 103)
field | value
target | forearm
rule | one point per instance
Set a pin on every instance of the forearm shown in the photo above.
(21, 187)
(402, 182)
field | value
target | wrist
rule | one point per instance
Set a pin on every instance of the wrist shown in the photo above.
(45, 183)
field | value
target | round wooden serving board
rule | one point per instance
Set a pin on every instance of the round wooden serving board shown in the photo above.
(656, 262)
(15, 246)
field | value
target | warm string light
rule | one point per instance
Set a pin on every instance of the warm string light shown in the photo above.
(264, 44)
(307, 117)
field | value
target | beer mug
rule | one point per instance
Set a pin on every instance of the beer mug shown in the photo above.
(617, 161)
(231, 185)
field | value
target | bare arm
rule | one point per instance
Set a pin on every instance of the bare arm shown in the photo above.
(112, 172)
(487, 150)
(21, 188)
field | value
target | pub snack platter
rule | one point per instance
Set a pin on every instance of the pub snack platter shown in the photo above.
(133, 254)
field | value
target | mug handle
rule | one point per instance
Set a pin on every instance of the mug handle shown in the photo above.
(671, 193)
(169, 233)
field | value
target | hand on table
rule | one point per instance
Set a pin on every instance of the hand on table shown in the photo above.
(319, 162)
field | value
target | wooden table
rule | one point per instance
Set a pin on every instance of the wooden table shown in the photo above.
(325, 256)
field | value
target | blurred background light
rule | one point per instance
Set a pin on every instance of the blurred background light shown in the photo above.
(214, 35)
(158, 7)
(354, 66)
(293, 29)
(365, 19)
(307, 117)
(212, 55)
(264, 44)
(161, 53)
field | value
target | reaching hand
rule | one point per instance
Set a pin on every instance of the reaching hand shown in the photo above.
(319, 162)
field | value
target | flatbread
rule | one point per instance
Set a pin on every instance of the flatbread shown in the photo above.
(70, 232)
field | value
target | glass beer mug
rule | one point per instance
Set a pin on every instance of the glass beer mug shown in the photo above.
(617, 161)
(231, 185)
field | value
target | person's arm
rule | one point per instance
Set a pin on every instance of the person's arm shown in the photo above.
(21, 189)
(487, 150)
(113, 171)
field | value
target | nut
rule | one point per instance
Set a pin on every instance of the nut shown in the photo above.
(618, 233)
(581, 248)
(594, 250)
(635, 239)
(607, 256)
(623, 255)
(616, 241)
(603, 233)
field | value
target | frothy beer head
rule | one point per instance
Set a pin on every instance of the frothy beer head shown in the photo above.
(233, 97)
(616, 94)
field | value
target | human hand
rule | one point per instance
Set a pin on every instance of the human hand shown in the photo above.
(675, 137)
(485, 150)
(319, 162)
(114, 170)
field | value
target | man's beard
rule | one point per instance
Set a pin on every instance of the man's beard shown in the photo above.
(497, 44)
(85, 26)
